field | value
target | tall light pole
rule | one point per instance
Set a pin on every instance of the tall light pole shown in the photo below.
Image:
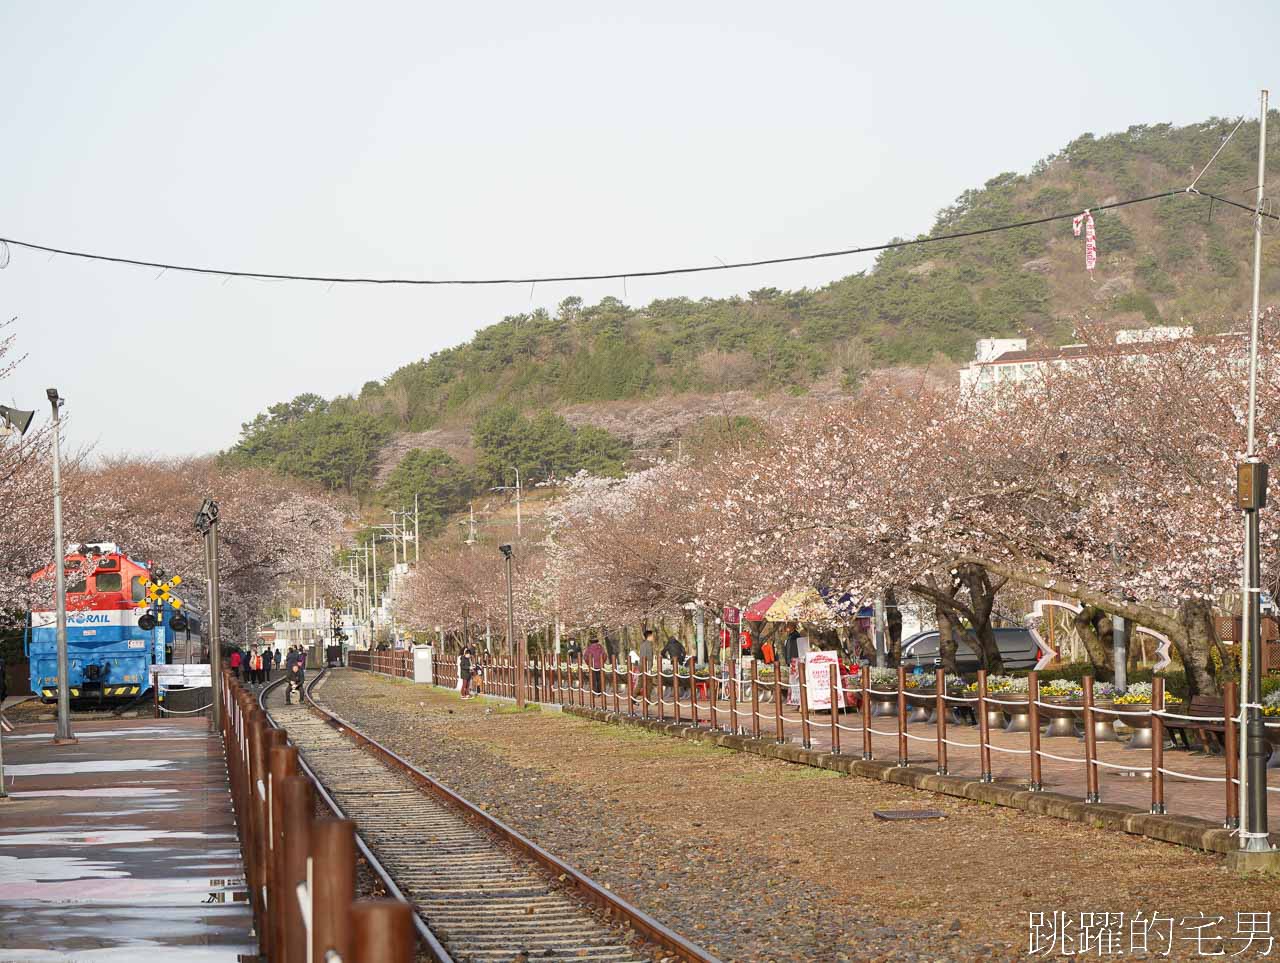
(207, 525)
(517, 652)
(62, 732)
(416, 557)
(1251, 496)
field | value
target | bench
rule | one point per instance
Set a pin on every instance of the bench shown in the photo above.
(1210, 733)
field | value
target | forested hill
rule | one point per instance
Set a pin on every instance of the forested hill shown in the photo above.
(1170, 260)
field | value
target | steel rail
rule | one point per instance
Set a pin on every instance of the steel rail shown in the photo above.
(427, 938)
(587, 888)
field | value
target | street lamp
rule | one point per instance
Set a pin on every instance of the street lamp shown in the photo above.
(62, 732)
(1251, 496)
(518, 651)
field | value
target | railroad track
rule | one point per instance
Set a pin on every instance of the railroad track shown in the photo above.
(479, 889)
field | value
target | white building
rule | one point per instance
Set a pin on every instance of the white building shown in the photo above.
(1003, 360)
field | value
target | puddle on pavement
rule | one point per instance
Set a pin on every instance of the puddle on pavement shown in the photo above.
(102, 837)
(124, 891)
(102, 792)
(88, 765)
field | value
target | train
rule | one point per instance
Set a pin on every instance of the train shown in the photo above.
(113, 636)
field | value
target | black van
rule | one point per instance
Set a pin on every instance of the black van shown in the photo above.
(1018, 650)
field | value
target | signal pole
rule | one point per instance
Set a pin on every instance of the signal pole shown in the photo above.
(207, 525)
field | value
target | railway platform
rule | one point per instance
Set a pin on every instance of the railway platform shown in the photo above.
(120, 847)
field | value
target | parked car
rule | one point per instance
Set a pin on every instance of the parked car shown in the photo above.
(1018, 650)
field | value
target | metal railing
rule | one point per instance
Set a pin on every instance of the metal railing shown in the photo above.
(725, 698)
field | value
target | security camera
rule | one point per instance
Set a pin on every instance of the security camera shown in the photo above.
(505, 550)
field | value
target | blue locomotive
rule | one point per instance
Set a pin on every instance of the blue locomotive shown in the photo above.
(115, 632)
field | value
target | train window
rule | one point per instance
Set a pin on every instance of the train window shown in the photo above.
(107, 582)
(75, 583)
(138, 593)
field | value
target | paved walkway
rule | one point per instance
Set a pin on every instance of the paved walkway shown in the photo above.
(120, 847)
(1123, 772)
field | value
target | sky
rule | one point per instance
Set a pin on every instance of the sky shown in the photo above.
(463, 140)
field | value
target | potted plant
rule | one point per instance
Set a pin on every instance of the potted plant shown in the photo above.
(1060, 696)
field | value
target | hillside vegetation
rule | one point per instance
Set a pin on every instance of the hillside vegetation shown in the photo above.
(1177, 259)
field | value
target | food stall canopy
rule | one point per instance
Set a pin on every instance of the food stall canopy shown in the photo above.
(755, 612)
(799, 605)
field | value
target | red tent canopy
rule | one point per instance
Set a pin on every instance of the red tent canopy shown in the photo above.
(756, 610)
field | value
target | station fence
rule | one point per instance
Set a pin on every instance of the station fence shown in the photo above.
(300, 869)
(745, 703)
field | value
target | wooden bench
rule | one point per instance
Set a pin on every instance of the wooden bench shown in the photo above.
(1210, 733)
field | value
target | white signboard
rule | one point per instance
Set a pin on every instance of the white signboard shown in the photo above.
(818, 667)
(87, 618)
(423, 668)
(189, 675)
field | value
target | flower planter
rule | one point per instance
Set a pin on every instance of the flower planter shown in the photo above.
(1104, 725)
(1019, 713)
(921, 704)
(1061, 715)
(882, 705)
(1141, 724)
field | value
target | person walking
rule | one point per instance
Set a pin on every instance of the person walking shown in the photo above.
(278, 659)
(267, 659)
(646, 662)
(235, 662)
(594, 656)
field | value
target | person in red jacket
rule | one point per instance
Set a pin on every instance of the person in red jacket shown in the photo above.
(594, 656)
(235, 662)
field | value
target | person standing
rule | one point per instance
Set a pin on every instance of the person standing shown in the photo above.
(235, 662)
(278, 659)
(594, 656)
(673, 652)
(267, 656)
(464, 672)
(646, 662)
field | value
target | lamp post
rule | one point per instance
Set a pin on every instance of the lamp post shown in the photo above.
(207, 525)
(1251, 496)
(517, 653)
(62, 732)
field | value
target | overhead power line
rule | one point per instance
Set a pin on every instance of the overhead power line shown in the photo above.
(616, 275)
